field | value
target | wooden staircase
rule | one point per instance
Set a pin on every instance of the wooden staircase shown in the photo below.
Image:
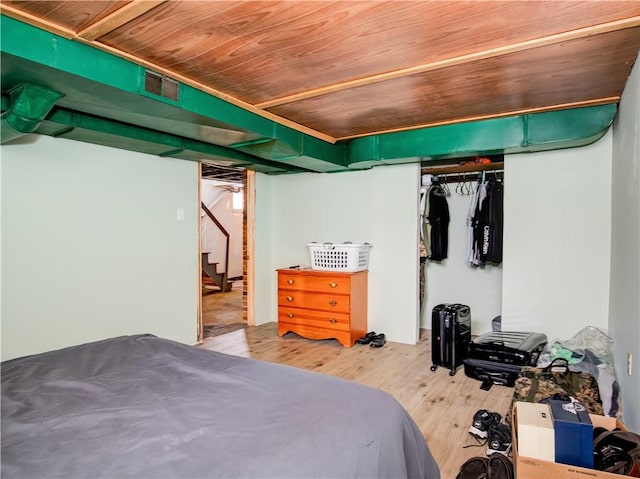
(211, 276)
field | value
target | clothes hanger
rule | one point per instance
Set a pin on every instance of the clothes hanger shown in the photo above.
(470, 188)
(441, 189)
(460, 188)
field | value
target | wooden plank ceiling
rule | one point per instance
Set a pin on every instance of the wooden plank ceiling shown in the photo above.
(345, 69)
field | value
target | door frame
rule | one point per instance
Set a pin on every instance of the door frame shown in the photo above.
(248, 249)
(249, 221)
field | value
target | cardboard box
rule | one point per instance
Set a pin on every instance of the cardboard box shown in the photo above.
(531, 468)
(535, 431)
(573, 433)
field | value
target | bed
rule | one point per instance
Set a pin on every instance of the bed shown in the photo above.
(146, 407)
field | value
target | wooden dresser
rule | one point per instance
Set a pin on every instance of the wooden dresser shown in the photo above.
(322, 304)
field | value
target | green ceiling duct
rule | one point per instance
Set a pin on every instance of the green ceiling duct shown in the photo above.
(29, 105)
(59, 87)
(515, 134)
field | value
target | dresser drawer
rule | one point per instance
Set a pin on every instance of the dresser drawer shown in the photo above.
(314, 319)
(309, 300)
(321, 284)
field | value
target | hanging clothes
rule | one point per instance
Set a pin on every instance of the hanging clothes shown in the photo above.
(425, 232)
(485, 225)
(472, 222)
(438, 218)
(492, 224)
(425, 229)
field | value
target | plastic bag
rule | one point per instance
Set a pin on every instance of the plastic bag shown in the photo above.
(589, 351)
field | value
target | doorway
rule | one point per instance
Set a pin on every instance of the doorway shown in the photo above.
(226, 219)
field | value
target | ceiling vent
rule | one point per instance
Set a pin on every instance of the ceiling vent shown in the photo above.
(160, 85)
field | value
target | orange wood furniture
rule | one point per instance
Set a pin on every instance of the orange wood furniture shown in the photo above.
(322, 304)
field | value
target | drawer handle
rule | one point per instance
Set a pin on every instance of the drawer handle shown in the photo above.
(289, 298)
(333, 302)
(333, 285)
(291, 315)
(333, 320)
(290, 281)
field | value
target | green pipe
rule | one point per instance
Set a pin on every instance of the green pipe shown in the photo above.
(28, 106)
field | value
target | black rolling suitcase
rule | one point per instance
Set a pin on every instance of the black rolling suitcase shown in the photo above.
(450, 335)
(498, 357)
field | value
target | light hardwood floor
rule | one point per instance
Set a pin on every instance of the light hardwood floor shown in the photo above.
(223, 308)
(442, 405)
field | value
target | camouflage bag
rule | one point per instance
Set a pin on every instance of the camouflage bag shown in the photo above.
(556, 381)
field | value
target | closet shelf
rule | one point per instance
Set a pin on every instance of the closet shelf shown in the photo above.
(453, 169)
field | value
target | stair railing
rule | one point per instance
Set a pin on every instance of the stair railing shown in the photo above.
(223, 286)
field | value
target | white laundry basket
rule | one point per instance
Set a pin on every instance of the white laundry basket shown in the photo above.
(347, 257)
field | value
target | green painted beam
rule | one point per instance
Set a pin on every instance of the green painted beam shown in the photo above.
(106, 70)
(28, 106)
(74, 125)
(296, 153)
(517, 134)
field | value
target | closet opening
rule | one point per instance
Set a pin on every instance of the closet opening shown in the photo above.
(461, 232)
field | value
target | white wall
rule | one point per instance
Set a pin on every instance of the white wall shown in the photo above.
(624, 309)
(555, 283)
(455, 281)
(91, 245)
(557, 223)
(264, 281)
(379, 206)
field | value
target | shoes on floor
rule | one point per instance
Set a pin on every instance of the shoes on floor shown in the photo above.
(495, 466)
(378, 341)
(500, 467)
(367, 338)
(487, 425)
(372, 339)
(474, 468)
(499, 440)
(482, 422)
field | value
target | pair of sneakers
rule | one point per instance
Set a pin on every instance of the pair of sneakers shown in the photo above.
(487, 425)
(372, 339)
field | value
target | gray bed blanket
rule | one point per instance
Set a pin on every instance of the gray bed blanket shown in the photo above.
(146, 407)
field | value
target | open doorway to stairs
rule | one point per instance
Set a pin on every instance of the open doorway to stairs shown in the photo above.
(225, 258)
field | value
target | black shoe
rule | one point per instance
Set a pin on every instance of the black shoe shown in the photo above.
(500, 467)
(499, 440)
(474, 468)
(482, 422)
(378, 341)
(367, 338)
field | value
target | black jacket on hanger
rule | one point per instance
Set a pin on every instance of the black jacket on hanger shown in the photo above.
(439, 220)
(489, 226)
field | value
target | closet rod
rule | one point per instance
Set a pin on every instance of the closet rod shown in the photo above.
(464, 177)
(439, 170)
